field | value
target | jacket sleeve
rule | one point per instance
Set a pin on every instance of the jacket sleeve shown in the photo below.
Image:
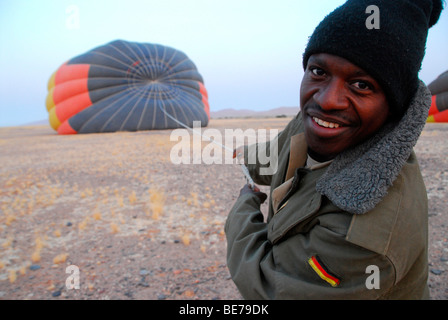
(282, 270)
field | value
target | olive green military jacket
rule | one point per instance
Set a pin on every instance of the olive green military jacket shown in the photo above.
(355, 228)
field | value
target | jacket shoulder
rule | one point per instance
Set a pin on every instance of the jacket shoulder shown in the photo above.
(398, 224)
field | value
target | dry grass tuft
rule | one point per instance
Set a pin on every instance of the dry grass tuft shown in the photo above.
(132, 197)
(186, 239)
(60, 258)
(114, 227)
(156, 202)
(83, 224)
(97, 215)
(35, 256)
(12, 275)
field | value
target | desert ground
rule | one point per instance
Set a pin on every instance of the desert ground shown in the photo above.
(114, 210)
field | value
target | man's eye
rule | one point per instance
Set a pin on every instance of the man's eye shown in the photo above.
(317, 71)
(362, 85)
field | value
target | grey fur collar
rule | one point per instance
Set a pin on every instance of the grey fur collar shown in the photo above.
(359, 178)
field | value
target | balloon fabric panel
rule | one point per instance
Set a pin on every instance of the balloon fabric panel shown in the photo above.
(440, 84)
(442, 101)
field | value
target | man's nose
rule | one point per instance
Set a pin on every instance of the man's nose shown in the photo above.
(332, 95)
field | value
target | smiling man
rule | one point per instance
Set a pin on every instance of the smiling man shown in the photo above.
(348, 206)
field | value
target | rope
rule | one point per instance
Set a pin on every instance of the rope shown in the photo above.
(249, 179)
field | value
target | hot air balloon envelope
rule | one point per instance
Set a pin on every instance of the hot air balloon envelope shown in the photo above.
(126, 86)
(439, 104)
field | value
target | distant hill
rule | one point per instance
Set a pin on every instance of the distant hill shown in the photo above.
(37, 123)
(245, 113)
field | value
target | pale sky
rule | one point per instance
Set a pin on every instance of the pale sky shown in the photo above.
(248, 51)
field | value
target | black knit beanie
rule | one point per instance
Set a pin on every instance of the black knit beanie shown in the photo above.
(391, 54)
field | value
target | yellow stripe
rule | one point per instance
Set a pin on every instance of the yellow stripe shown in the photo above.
(49, 102)
(430, 119)
(316, 268)
(51, 81)
(53, 119)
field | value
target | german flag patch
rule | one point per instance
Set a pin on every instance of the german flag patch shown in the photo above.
(323, 272)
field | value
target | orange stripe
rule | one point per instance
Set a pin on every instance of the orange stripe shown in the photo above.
(69, 107)
(202, 89)
(433, 109)
(206, 107)
(69, 89)
(333, 281)
(204, 94)
(68, 72)
(441, 116)
(65, 128)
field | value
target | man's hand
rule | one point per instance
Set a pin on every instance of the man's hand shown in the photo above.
(256, 191)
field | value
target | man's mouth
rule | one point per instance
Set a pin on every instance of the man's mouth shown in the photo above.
(326, 124)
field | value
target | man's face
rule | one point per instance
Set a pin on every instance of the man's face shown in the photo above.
(341, 105)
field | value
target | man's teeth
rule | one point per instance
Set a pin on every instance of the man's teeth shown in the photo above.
(326, 124)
